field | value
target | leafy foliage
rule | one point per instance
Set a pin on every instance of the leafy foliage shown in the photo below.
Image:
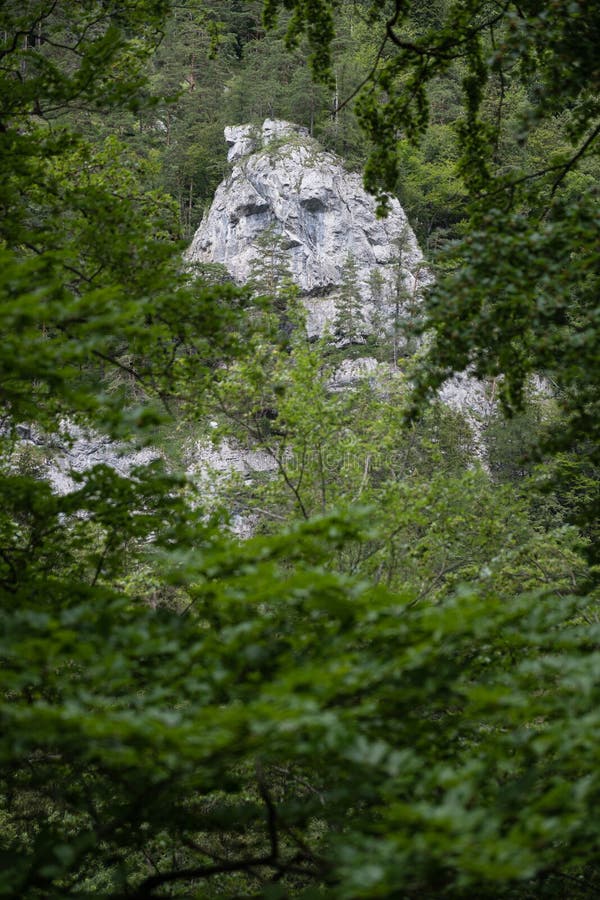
(519, 292)
(323, 709)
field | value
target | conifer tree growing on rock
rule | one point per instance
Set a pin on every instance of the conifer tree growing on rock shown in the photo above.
(271, 277)
(270, 273)
(406, 312)
(349, 325)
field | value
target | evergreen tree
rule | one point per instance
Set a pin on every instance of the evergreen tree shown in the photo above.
(271, 279)
(379, 314)
(270, 272)
(349, 323)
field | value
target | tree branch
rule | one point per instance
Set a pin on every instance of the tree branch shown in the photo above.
(271, 811)
(566, 168)
(562, 168)
(150, 884)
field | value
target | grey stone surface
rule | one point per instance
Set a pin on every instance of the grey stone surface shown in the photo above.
(77, 450)
(282, 179)
(351, 371)
(213, 460)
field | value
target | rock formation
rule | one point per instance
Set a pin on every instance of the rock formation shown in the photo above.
(74, 450)
(284, 181)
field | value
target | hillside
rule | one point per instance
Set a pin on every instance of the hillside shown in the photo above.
(277, 622)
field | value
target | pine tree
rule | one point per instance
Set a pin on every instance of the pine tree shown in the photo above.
(349, 324)
(271, 278)
(270, 271)
(379, 313)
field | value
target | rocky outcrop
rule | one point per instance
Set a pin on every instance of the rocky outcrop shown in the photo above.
(284, 181)
(74, 450)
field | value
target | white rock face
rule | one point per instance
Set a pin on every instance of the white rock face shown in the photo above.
(350, 371)
(473, 399)
(283, 179)
(80, 452)
(212, 461)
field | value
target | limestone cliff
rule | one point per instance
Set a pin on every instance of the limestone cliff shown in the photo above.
(283, 180)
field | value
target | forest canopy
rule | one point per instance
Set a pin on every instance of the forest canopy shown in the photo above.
(390, 688)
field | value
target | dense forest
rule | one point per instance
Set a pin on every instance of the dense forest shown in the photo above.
(389, 684)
